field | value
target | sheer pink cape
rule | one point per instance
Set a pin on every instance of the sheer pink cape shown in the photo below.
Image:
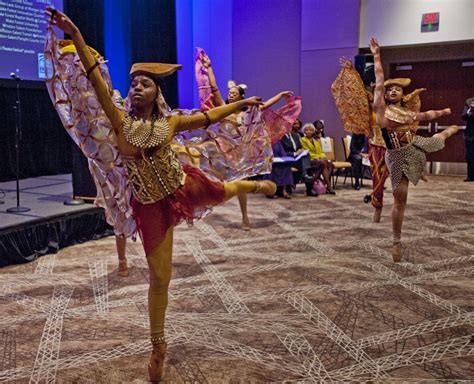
(278, 122)
(83, 118)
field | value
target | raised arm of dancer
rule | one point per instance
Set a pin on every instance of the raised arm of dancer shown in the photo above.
(379, 99)
(104, 95)
(275, 99)
(430, 115)
(187, 123)
(206, 61)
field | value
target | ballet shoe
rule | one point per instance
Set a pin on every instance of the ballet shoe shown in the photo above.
(377, 215)
(123, 268)
(157, 363)
(397, 252)
(424, 178)
(267, 187)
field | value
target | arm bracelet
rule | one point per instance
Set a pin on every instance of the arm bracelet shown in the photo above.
(208, 119)
(89, 71)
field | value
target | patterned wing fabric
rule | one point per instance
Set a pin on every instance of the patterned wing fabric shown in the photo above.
(79, 110)
(279, 122)
(351, 100)
(233, 149)
(412, 102)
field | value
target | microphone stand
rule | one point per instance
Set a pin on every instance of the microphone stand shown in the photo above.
(17, 109)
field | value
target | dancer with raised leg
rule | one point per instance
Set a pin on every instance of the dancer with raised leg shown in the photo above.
(164, 192)
(406, 152)
(277, 122)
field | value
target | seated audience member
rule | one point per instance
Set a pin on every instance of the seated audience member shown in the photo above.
(355, 157)
(292, 146)
(319, 162)
(281, 174)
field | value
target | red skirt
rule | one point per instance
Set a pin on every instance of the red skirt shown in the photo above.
(191, 201)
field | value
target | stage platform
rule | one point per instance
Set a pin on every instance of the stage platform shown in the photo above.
(49, 224)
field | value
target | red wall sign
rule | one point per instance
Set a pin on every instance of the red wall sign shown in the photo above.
(431, 18)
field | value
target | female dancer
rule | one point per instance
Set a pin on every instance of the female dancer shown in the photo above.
(164, 191)
(210, 97)
(354, 101)
(406, 153)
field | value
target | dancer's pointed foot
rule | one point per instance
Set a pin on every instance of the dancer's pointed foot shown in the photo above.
(377, 215)
(424, 178)
(123, 268)
(246, 225)
(267, 187)
(397, 252)
(452, 130)
(157, 362)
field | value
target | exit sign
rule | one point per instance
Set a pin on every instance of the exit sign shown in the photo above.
(430, 22)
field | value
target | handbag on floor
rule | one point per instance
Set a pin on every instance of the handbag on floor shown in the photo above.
(319, 187)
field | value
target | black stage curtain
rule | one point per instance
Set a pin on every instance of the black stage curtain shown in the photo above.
(154, 39)
(88, 15)
(44, 148)
(27, 242)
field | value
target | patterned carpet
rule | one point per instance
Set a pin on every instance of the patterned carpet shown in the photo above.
(309, 295)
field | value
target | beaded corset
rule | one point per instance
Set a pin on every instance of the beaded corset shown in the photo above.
(157, 175)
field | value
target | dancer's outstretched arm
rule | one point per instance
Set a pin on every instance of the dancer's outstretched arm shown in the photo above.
(104, 95)
(379, 99)
(275, 99)
(206, 61)
(187, 123)
(431, 115)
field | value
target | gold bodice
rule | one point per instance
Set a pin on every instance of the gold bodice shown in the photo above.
(158, 172)
(156, 176)
(399, 114)
(401, 135)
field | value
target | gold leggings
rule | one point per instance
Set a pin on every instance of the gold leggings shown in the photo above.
(159, 265)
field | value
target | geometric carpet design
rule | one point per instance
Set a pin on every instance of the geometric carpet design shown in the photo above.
(309, 295)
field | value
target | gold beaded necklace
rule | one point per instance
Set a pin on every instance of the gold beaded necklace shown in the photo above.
(145, 134)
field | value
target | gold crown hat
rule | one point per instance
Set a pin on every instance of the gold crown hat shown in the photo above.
(400, 81)
(154, 69)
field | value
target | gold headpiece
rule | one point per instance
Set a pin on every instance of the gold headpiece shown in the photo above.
(401, 82)
(154, 69)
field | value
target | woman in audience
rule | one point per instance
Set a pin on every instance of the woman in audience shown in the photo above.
(320, 165)
(291, 143)
(355, 157)
(281, 174)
